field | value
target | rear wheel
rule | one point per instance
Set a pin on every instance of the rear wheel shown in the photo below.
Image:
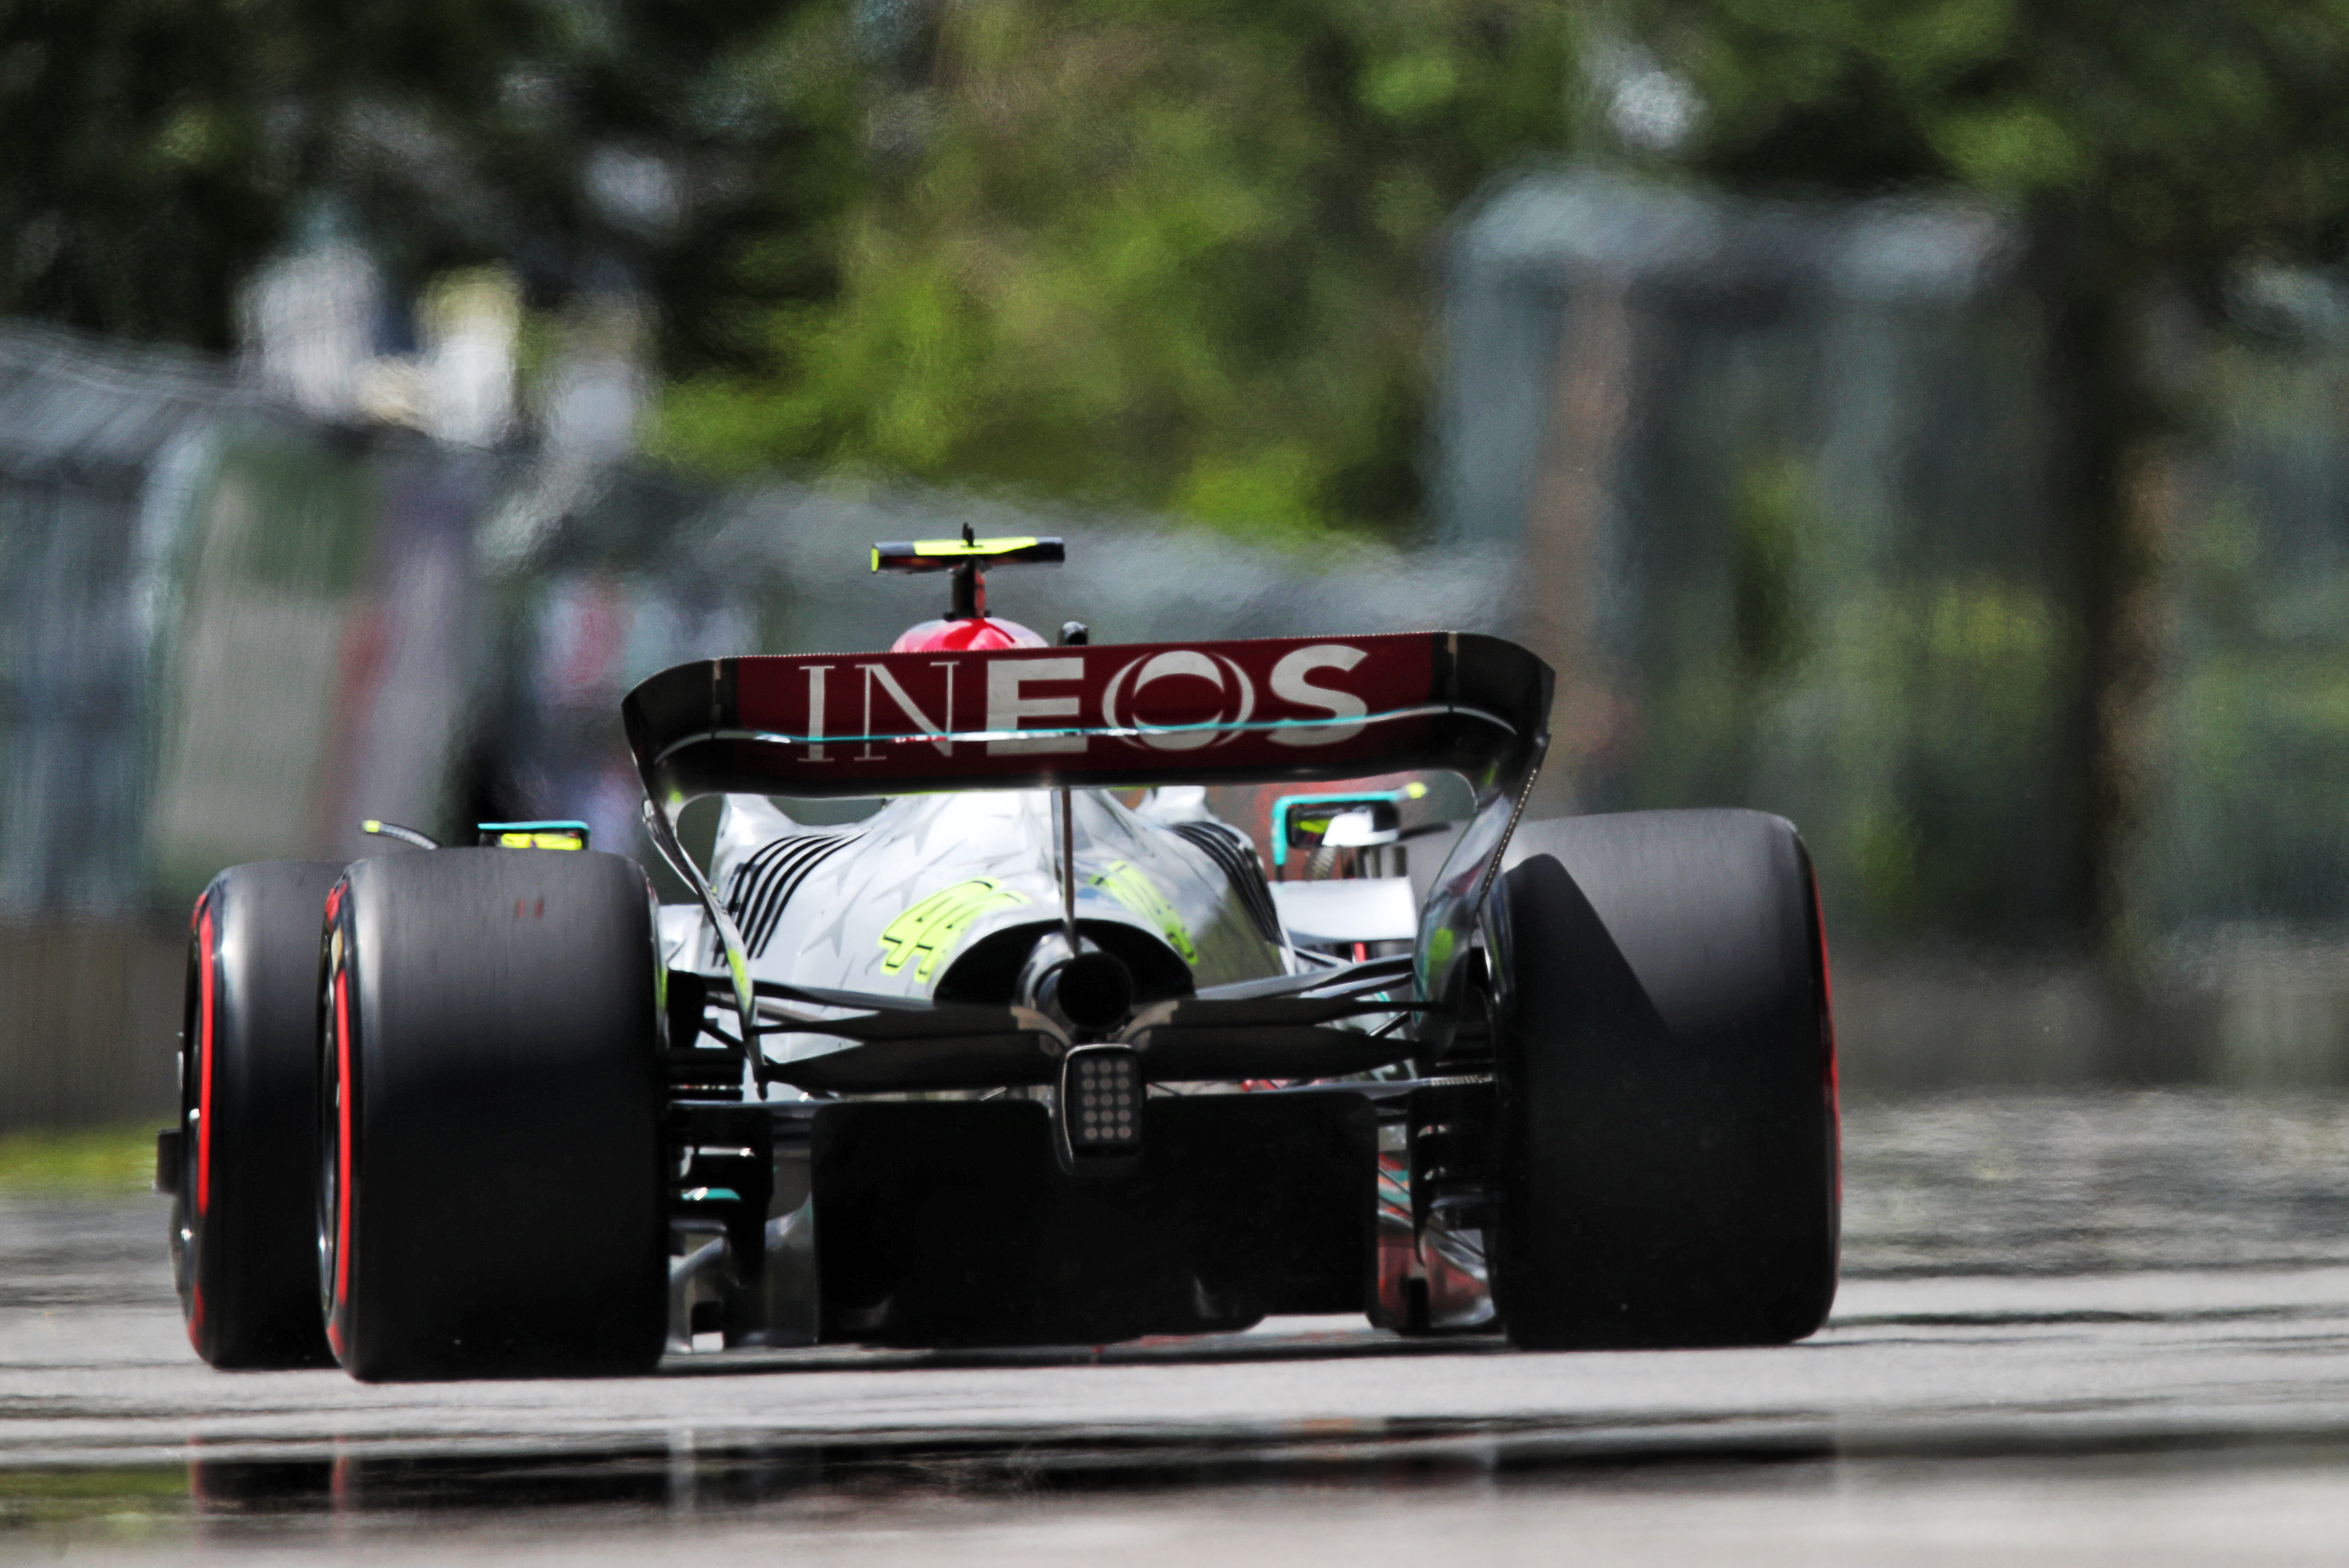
(490, 1185)
(243, 1243)
(1667, 1069)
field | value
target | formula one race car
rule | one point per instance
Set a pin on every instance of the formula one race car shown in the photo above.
(986, 1030)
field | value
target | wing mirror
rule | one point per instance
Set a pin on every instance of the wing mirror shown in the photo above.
(1364, 819)
(1358, 827)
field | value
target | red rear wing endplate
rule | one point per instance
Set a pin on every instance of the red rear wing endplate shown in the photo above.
(1114, 715)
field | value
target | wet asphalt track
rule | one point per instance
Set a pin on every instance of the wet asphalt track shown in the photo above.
(2074, 1329)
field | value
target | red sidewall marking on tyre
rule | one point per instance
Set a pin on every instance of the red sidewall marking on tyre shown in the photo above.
(204, 1048)
(342, 1154)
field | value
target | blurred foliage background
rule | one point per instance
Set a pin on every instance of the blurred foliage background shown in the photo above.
(2152, 152)
(1172, 257)
(1166, 257)
(2022, 584)
(162, 150)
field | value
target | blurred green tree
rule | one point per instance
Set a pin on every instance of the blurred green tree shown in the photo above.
(159, 150)
(2153, 149)
(1170, 256)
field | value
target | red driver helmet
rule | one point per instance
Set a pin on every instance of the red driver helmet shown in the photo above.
(967, 635)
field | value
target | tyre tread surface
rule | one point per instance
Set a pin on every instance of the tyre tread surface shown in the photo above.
(508, 1215)
(1667, 1086)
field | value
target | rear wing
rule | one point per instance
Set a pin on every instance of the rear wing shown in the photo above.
(1115, 715)
(816, 725)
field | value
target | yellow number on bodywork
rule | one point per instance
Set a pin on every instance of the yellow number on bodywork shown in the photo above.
(1129, 887)
(933, 926)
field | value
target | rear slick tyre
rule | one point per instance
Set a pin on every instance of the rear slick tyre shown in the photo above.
(490, 1183)
(1667, 1071)
(244, 1246)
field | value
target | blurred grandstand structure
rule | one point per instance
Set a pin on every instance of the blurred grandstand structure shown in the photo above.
(1769, 483)
(1785, 478)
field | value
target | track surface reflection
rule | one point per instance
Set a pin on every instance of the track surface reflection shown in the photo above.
(2075, 1328)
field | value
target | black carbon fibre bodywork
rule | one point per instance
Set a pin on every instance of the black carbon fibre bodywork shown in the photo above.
(950, 1224)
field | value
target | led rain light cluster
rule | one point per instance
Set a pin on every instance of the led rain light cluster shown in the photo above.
(1104, 1090)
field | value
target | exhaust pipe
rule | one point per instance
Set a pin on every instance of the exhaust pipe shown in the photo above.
(1086, 992)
